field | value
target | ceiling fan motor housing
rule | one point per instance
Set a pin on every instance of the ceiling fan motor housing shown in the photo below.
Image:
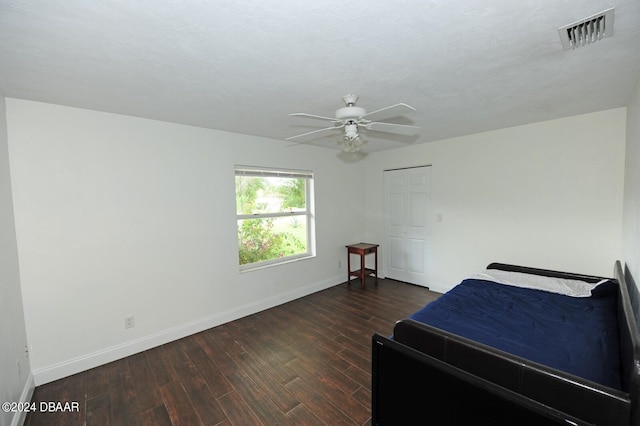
(350, 113)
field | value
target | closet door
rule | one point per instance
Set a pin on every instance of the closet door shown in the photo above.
(406, 212)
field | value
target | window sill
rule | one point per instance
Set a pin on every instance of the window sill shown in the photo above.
(267, 264)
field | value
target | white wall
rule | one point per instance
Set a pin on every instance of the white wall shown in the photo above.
(545, 195)
(631, 217)
(16, 383)
(119, 216)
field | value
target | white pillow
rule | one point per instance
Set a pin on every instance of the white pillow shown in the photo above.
(568, 287)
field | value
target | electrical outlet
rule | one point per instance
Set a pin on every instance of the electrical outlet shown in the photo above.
(339, 264)
(129, 322)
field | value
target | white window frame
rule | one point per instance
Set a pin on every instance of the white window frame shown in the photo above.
(255, 171)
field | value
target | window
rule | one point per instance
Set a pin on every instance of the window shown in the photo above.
(275, 215)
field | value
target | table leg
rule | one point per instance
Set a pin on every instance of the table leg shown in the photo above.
(375, 253)
(362, 272)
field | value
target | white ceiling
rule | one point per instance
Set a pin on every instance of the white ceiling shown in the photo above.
(242, 66)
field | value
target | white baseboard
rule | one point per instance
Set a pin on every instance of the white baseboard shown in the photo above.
(85, 362)
(439, 288)
(27, 392)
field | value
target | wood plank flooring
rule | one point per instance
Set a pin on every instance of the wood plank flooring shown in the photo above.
(304, 362)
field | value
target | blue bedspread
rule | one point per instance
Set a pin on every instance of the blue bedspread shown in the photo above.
(572, 334)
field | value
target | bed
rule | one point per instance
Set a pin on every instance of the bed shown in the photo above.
(514, 345)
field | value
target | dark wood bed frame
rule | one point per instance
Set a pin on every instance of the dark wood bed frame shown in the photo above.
(427, 373)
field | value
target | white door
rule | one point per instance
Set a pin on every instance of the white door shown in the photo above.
(407, 194)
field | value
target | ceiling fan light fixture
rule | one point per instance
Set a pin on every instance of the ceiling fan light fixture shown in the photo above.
(351, 131)
(351, 142)
(350, 145)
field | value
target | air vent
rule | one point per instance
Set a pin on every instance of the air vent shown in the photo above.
(587, 31)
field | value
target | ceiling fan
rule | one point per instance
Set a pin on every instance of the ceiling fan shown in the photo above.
(352, 118)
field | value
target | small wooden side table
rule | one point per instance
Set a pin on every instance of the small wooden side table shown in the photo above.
(361, 249)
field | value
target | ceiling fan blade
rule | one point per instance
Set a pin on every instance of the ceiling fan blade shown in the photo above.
(312, 133)
(388, 112)
(398, 129)
(320, 117)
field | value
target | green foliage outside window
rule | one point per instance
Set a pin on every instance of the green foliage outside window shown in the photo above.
(259, 242)
(262, 239)
(293, 194)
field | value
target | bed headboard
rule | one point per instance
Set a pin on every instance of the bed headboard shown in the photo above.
(629, 342)
(544, 272)
(634, 293)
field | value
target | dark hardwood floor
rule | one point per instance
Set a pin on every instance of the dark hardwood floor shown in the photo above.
(304, 362)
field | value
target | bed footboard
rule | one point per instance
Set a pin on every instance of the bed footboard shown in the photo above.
(566, 393)
(410, 387)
